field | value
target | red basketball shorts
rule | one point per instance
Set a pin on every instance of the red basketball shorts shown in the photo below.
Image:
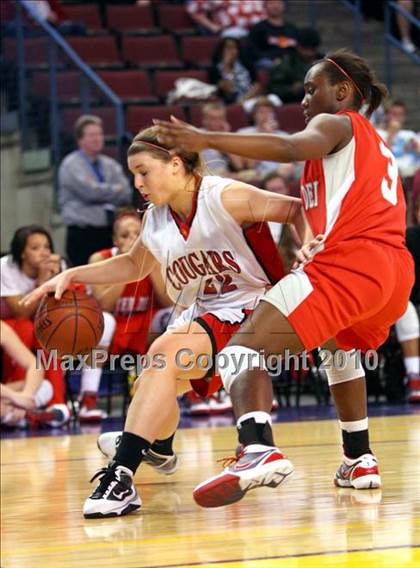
(220, 333)
(131, 333)
(352, 292)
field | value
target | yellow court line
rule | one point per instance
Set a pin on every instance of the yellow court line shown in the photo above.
(250, 532)
(394, 558)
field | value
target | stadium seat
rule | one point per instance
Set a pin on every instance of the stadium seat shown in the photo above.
(131, 19)
(107, 114)
(68, 85)
(159, 51)
(96, 51)
(175, 19)
(236, 116)
(165, 80)
(290, 117)
(139, 117)
(198, 50)
(130, 86)
(35, 49)
(87, 14)
(195, 115)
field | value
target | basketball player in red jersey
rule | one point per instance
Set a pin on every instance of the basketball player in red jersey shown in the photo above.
(347, 296)
(218, 259)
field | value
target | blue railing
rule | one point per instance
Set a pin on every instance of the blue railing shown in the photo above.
(390, 39)
(88, 77)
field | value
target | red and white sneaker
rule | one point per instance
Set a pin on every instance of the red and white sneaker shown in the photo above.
(89, 412)
(360, 473)
(414, 388)
(55, 416)
(255, 466)
(220, 403)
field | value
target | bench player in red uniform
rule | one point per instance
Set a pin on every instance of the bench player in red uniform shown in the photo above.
(354, 288)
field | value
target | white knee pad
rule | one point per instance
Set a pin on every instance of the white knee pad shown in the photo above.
(109, 329)
(44, 394)
(407, 327)
(342, 366)
(235, 359)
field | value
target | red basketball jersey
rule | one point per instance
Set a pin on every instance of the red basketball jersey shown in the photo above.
(137, 297)
(356, 192)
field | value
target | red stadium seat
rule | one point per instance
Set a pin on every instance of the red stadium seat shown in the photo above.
(131, 19)
(108, 115)
(87, 14)
(195, 115)
(35, 49)
(130, 86)
(290, 117)
(198, 50)
(96, 51)
(236, 116)
(159, 51)
(68, 85)
(165, 80)
(139, 117)
(175, 19)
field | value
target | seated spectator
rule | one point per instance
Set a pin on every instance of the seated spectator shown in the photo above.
(32, 262)
(51, 12)
(133, 307)
(214, 119)
(91, 186)
(404, 25)
(285, 78)
(235, 78)
(228, 17)
(269, 38)
(19, 400)
(265, 121)
(405, 144)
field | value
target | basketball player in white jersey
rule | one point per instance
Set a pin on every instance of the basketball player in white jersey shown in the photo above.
(210, 236)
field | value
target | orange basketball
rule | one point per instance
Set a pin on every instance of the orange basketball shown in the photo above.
(72, 325)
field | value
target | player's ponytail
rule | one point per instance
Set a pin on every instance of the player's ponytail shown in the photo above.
(378, 94)
(342, 65)
(147, 141)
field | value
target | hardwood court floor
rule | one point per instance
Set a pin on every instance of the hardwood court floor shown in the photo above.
(305, 523)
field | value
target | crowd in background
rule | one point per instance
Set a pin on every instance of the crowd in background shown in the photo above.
(96, 204)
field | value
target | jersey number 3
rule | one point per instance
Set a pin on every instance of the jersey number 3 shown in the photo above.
(389, 192)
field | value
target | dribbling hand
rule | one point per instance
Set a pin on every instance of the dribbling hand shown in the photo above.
(57, 285)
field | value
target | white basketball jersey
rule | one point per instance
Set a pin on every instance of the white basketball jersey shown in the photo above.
(207, 260)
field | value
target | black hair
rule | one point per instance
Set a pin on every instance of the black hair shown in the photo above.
(371, 90)
(20, 238)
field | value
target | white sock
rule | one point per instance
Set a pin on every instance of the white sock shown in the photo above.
(412, 365)
(355, 425)
(259, 417)
(90, 380)
(44, 394)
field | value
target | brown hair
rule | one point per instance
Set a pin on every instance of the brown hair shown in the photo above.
(122, 214)
(147, 141)
(83, 121)
(367, 88)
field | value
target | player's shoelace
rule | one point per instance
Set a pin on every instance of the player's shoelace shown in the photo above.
(231, 460)
(106, 475)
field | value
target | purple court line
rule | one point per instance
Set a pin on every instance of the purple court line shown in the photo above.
(283, 556)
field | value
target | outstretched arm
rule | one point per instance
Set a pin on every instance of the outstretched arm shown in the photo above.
(324, 134)
(133, 265)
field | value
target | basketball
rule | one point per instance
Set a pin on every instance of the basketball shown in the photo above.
(72, 325)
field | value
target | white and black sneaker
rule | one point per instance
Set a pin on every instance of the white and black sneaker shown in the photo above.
(109, 441)
(115, 495)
